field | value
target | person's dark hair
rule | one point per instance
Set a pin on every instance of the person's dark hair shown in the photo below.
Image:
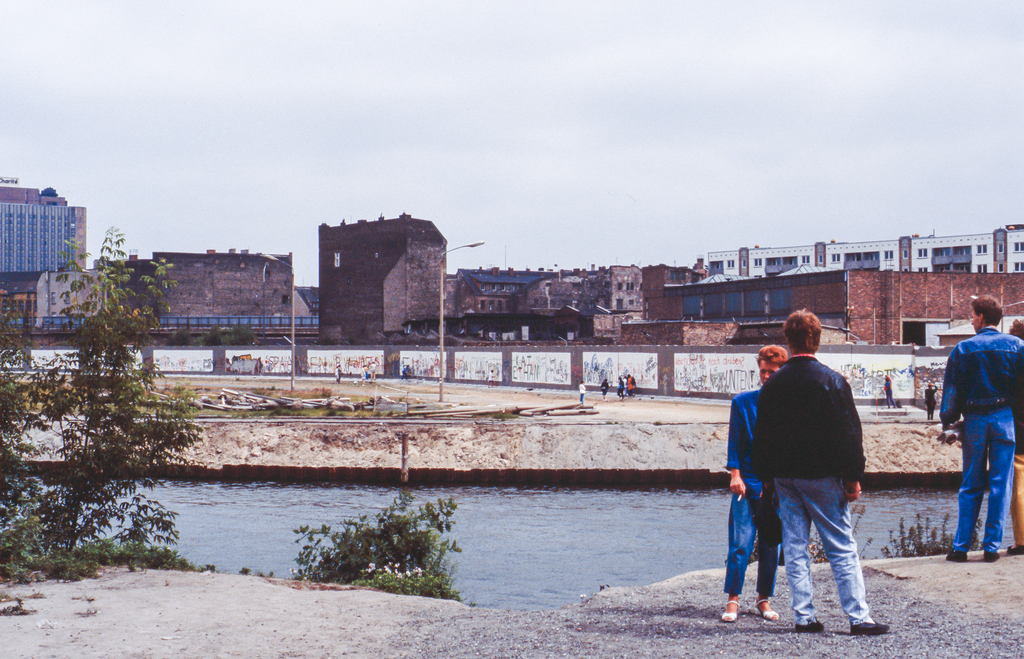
(988, 309)
(1017, 329)
(774, 355)
(803, 332)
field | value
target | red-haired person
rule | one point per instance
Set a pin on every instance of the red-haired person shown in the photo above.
(746, 490)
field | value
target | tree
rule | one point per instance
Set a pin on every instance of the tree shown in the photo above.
(114, 433)
(48, 192)
(17, 488)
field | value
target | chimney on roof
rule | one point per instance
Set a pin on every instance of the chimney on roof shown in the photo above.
(511, 271)
(231, 250)
(593, 266)
(211, 251)
(495, 270)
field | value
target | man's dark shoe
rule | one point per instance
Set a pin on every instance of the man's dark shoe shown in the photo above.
(1016, 550)
(957, 556)
(991, 556)
(810, 628)
(868, 629)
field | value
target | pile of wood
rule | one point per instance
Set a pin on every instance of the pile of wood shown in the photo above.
(232, 401)
(565, 409)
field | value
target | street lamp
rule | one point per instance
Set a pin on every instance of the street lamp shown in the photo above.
(291, 299)
(440, 342)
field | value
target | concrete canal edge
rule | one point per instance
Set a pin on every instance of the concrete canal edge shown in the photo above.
(584, 478)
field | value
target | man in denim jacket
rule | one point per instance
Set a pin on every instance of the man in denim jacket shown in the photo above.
(983, 374)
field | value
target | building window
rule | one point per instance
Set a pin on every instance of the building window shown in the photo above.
(922, 269)
(835, 258)
(1018, 247)
(1000, 267)
(922, 253)
(730, 263)
(906, 253)
(805, 259)
(888, 255)
(982, 249)
(982, 268)
(757, 263)
(337, 259)
(284, 299)
(483, 305)
(743, 262)
(821, 259)
(999, 248)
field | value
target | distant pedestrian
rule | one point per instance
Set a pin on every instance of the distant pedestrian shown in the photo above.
(583, 391)
(929, 399)
(622, 389)
(604, 389)
(337, 373)
(631, 385)
(889, 402)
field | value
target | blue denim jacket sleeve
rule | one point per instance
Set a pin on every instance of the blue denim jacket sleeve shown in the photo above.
(984, 371)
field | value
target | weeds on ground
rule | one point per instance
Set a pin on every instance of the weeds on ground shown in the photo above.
(923, 539)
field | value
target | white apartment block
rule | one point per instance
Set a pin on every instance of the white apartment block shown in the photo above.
(999, 251)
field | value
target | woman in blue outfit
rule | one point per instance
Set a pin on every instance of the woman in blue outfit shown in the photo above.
(746, 490)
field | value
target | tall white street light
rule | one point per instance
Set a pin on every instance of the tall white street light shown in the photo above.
(291, 298)
(440, 342)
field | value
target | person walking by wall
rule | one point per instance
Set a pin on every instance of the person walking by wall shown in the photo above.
(622, 389)
(889, 402)
(984, 375)
(583, 391)
(746, 490)
(807, 440)
(604, 389)
(631, 385)
(337, 373)
(929, 400)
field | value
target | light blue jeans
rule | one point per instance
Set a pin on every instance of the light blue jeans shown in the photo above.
(822, 501)
(988, 443)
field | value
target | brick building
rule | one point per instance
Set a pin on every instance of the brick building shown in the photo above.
(877, 307)
(227, 284)
(655, 278)
(38, 229)
(377, 276)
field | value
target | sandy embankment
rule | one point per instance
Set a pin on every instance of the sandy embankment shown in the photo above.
(531, 445)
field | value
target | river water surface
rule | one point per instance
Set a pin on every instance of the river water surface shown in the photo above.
(522, 548)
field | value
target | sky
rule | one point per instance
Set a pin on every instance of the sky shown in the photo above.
(559, 133)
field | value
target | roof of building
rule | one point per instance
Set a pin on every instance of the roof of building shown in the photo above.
(19, 282)
(476, 277)
(804, 270)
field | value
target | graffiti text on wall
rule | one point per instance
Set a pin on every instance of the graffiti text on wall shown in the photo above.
(713, 372)
(643, 366)
(541, 367)
(258, 362)
(478, 366)
(352, 362)
(183, 361)
(421, 364)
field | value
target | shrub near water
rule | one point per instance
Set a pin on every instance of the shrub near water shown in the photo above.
(400, 551)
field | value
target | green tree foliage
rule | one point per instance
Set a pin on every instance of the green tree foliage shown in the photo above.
(17, 488)
(181, 337)
(114, 435)
(401, 551)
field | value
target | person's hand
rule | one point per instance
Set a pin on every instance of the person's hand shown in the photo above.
(852, 490)
(736, 484)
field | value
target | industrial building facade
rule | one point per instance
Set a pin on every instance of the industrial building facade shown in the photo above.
(38, 230)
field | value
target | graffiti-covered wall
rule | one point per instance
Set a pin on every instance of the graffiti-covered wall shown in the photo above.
(421, 364)
(258, 361)
(352, 362)
(480, 366)
(715, 372)
(643, 366)
(866, 373)
(183, 361)
(542, 367)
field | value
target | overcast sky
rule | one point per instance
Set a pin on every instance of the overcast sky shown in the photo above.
(564, 133)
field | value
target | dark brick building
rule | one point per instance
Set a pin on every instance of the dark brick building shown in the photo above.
(877, 307)
(377, 276)
(654, 279)
(232, 283)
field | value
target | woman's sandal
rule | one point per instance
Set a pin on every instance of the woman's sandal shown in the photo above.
(730, 616)
(767, 615)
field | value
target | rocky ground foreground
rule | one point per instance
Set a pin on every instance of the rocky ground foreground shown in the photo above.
(937, 609)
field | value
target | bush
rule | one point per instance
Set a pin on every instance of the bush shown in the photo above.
(400, 552)
(923, 539)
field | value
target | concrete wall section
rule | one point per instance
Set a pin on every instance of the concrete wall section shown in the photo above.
(352, 362)
(183, 361)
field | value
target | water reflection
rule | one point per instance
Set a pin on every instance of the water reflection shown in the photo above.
(522, 548)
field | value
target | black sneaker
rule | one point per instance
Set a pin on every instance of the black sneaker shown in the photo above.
(991, 556)
(868, 629)
(1015, 550)
(814, 627)
(957, 556)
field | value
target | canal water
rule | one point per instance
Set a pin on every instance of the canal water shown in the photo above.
(522, 548)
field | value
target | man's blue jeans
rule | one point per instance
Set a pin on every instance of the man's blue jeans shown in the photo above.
(822, 501)
(988, 443)
(741, 543)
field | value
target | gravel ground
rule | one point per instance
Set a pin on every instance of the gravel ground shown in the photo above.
(680, 618)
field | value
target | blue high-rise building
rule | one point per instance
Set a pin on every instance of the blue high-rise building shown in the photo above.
(38, 230)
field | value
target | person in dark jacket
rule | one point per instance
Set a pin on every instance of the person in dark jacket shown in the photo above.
(984, 374)
(929, 400)
(1017, 498)
(807, 440)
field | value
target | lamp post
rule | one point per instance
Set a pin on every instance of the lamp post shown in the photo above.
(291, 299)
(440, 341)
